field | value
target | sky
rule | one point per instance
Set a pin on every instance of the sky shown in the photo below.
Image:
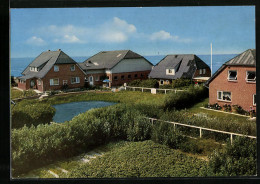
(145, 30)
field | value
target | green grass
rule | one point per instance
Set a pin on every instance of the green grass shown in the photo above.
(15, 93)
(142, 159)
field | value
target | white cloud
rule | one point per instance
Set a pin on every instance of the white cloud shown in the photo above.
(34, 40)
(68, 39)
(114, 30)
(163, 35)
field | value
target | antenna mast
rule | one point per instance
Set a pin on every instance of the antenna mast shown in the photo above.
(211, 59)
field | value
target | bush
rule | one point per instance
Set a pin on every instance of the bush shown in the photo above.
(148, 83)
(164, 133)
(57, 141)
(227, 108)
(236, 159)
(31, 114)
(181, 83)
(185, 99)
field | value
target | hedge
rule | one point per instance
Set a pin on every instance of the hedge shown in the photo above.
(185, 99)
(31, 114)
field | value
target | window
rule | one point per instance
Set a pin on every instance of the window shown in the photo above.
(115, 77)
(142, 75)
(170, 72)
(122, 77)
(161, 81)
(250, 76)
(202, 71)
(72, 68)
(232, 75)
(97, 78)
(129, 76)
(34, 69)
(254, 99)
(224, 95)
(136, 75)
(56, 68)
(54, 82)
(74, 80)
(39, 82)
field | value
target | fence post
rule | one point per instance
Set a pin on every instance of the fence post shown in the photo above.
(175, 91)
(165, 91)
(134, 89)
(200, 132)
(142, 89)
(231, 138)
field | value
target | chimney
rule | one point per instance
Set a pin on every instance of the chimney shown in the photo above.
(48, 50)
(59, 49)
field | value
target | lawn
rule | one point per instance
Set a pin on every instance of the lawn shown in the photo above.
(127, 159)
(15, 93)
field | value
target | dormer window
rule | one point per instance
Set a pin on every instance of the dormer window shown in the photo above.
(56, 68)
(250, 76)
(170, 72)
(72, 68)
(34, 69)
(232, 75)
(202, 71)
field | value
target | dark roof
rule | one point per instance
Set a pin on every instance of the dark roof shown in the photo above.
(44, 63)
(185, 66)
(246, 58)
(108, 59)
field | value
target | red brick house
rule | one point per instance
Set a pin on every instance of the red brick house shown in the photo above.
(119, 67)
(234, 83)
(52, 70)
(186, 66)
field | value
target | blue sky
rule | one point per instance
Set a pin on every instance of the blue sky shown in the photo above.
(147, 31)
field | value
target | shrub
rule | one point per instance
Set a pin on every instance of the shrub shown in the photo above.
(227, 108)
(164, 133)
(36, 146)
(31, 114)
(148, 83)
(236, 159)
(185, 99)
(181, 83)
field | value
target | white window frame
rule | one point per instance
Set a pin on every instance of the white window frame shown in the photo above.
(250, 80)
(77, 80)
(52, 82)
(65, 82)
(200, 71)
(222, 92)
(229, 75)
(56, 68)
(170, 71)
(254, 102)
(72, 69)
(204, 70)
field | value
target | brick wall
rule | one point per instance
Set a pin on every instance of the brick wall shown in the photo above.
(63, 74)
(241, 91)
(133, 76)
(24, 85)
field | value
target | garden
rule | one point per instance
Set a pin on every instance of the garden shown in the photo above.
(126, 121)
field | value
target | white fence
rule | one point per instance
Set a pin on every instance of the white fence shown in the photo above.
(202, 128)
(153, 90)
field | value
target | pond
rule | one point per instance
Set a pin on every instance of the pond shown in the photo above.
(65, 112)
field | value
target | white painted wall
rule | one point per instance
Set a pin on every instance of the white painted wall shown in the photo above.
(131, 65)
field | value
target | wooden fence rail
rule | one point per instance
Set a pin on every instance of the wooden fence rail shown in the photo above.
(153, 90)
(202, 128)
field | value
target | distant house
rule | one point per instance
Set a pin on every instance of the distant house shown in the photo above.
(187, 66)
(52, 70)
(234, 83)
(116, 67)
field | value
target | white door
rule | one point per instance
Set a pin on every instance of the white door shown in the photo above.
(90, 79)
